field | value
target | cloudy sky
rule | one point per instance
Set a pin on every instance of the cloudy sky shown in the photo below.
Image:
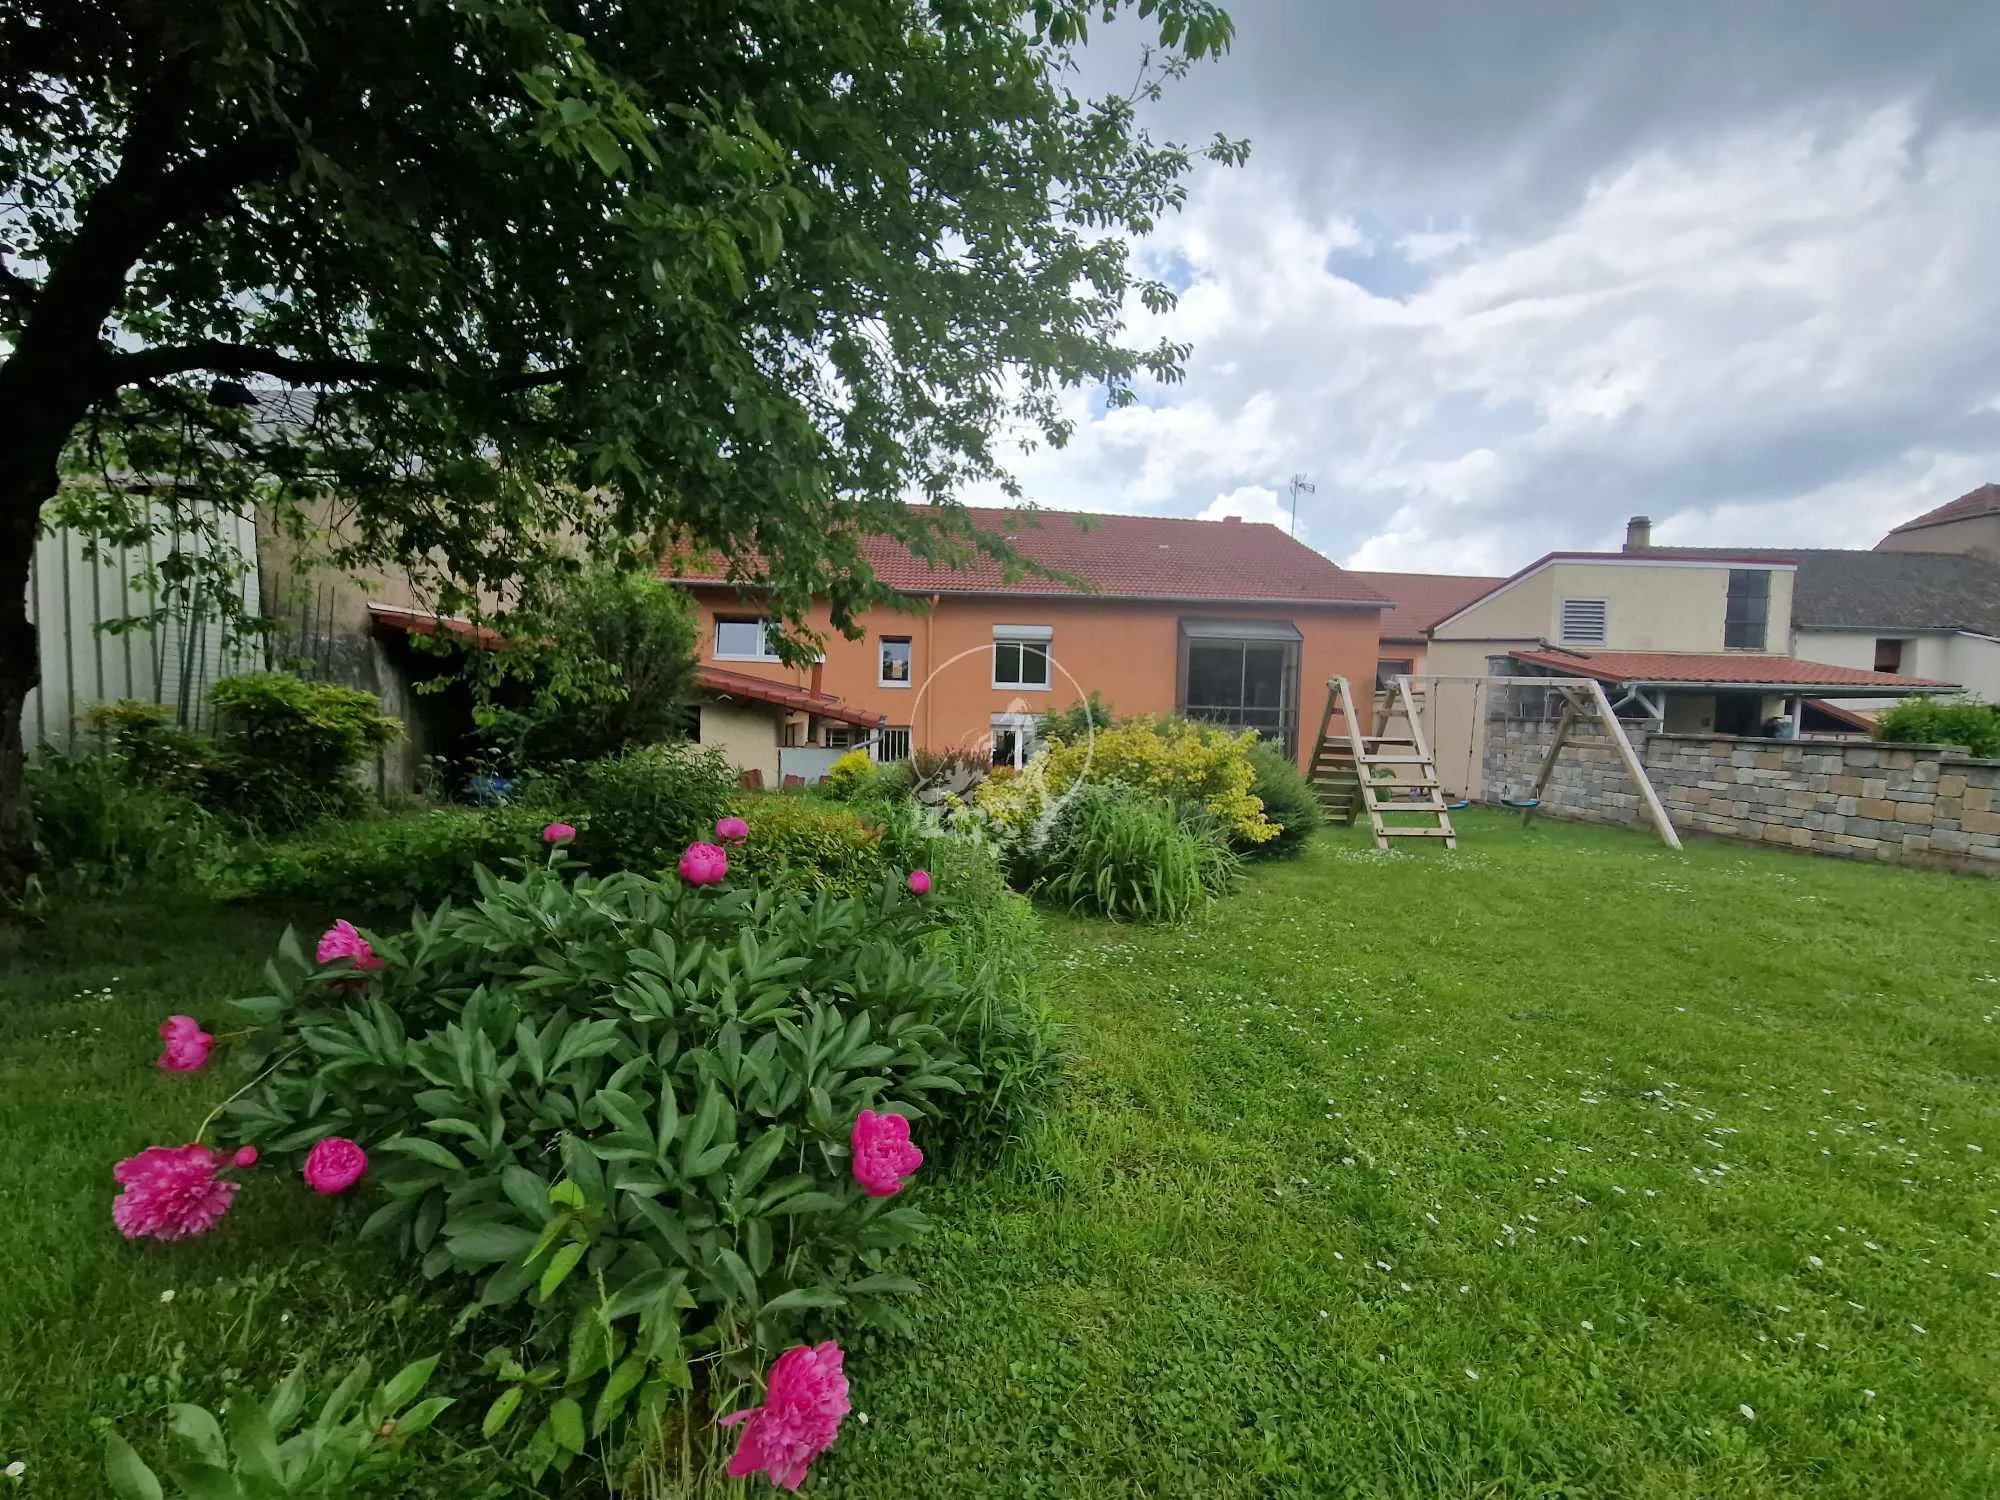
(1499, 276)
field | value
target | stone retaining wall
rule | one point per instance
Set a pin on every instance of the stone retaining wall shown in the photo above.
(1907, 804)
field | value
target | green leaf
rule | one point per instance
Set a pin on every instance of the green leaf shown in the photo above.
(196, 1426)
(424, 1150)
(667, 1224)
(566, 1422)
(810, 1203)
(483, 1243)
(253, 1442)
(529, 1191)
(757, 1244)
(882, 1284)
(502, 1408)
(406, 1384)
(343, 1396)
(205, 1482)
(736, 1275)
(129, 1476)
(800, 1298)
(758, 1159)
(702, 1130)
(420, 1416)
(559, 1266)
(624, 1380)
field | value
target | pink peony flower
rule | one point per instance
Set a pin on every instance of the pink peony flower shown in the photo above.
(187, 1045)
(704, 864)
(804, 1399)
(731, 830)
(558, 833)
(334, 1165)
(246, 1156)
(883, 1155)
(342, 941)
(171, 1192)
(920, 882)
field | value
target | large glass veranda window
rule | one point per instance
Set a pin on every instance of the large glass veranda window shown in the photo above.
(1242, 673)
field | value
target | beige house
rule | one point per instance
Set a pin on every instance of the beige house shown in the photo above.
(1417, 601)
(1693, 641)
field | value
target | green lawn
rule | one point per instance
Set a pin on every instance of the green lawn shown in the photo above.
(1520, 1171)
(1517, 1171)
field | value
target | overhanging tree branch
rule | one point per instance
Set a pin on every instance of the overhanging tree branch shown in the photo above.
(219, 358)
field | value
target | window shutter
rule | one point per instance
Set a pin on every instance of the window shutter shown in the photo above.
(1585, 622)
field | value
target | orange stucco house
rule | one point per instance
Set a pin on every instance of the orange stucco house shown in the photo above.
(1229, 621)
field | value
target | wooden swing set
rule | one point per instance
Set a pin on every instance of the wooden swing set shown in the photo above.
(1387, 768)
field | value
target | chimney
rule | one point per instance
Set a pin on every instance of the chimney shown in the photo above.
(1638, 533)
(818, 674)
(1237, 519)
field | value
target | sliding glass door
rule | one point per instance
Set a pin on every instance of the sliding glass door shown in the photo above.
(1242, 673)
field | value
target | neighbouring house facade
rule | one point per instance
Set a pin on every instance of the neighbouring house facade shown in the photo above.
(1228, 621)
(1933, 615)
(1689, 641)
(1970, 524)
(1417, 601)
(170, 645)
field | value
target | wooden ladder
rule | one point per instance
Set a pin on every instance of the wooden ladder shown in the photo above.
(1378, 772)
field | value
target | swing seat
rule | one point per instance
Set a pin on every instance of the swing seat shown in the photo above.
(1523, 804)
(1459, 806)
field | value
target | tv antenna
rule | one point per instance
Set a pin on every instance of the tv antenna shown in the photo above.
(1300, 482)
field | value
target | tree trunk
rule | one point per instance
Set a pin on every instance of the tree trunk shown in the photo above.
(20, 669)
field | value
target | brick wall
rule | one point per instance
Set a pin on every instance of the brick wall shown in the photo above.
(1908, 804)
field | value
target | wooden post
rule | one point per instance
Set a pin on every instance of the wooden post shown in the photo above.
(1637, 771)
(1542, 776)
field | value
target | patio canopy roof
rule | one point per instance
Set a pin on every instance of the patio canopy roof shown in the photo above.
(1732, 669)
(729, 684)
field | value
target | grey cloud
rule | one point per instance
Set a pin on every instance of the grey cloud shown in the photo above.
(1502, 111)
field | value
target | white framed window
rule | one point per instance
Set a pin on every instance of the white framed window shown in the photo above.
(1014, 739)
(893, 662)
(892, 745)
(743, 639)
(1021, 657)
(1585, 622)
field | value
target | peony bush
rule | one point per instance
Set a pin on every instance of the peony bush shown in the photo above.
(653, 1132)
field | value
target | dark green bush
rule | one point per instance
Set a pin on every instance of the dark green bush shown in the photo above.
(1076, 723)
(151, 747)
(1943, 721)
(391, 864)
(1132, 856)
(609, 667)
(613, 1117)
(1288, 800)
(288, 748)
(639, 810)
(98, 830)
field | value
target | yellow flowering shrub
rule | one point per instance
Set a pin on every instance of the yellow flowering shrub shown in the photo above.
(1174, 758)
(849, 776)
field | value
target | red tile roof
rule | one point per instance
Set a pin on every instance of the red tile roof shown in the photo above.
(423, 622)
(1722, 669)
(1984, 501)
(784, 695)
(1119, 557)
(1418, 601)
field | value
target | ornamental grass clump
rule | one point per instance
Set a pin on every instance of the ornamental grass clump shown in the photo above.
(652, 1132)
(1132, 856)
